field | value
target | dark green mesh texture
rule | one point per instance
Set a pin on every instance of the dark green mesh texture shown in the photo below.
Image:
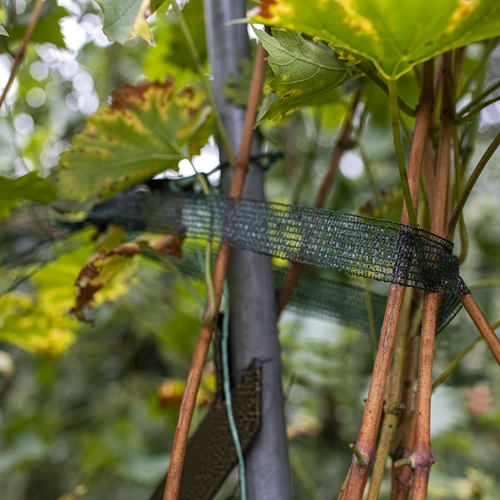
(359, 246)
(325, 298)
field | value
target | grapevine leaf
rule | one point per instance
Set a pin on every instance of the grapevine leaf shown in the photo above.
(394, 34)
(124, 19)
(138, 136)
(28, 187)
(306, 73)
(101, 270)
(109, 271)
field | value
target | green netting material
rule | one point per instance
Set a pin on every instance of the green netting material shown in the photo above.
(325, 298)
(359, 246)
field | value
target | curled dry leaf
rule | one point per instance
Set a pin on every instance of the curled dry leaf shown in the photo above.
(104, 266)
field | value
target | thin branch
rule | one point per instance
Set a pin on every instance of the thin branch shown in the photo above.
(475, 111)
(487, 283)
(400, 157)
(338, 151)
(369, 70)
(458, 187)
(228, 400)
(188, 404)
(368, 432)
(18, 57)
(477, 99)
(471, 183)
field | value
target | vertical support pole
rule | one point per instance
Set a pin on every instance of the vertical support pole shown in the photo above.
(253, 303)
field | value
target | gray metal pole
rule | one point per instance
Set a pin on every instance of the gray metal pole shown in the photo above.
(253, 305)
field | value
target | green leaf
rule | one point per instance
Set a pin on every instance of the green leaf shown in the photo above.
(170, 54)
(394, 34)
(138, 136)
(124, 19)
(306, 73)
(28, 187)
(3, 31)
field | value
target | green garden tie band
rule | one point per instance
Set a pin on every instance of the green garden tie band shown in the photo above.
(359, 246)
(324, 298)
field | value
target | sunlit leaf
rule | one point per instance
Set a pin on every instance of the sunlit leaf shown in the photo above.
(170, 392)
(306, 73)
(28, 187)
(33, 328)
(124, 19)
(138, 136)
(3, 31)
(170, 54)
(394, 34)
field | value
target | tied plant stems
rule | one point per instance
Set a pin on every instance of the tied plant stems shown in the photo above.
(338, 151)
(367, 437)
(402, 476)
(18, 57)
(392, 400)
(188, 403)
(423, 458)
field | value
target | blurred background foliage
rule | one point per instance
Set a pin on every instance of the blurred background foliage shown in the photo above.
(88, 411)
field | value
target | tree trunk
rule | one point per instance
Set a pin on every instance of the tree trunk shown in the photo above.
(253, 302)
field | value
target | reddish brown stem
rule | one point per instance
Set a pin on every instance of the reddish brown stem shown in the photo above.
(203, 343)
(338, 151)
(422, 455)
(18, 57)
(402, 476)
(367, 438)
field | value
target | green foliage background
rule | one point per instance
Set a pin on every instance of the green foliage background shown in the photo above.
(78, 403)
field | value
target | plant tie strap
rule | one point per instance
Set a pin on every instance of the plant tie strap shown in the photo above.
(360, 246)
